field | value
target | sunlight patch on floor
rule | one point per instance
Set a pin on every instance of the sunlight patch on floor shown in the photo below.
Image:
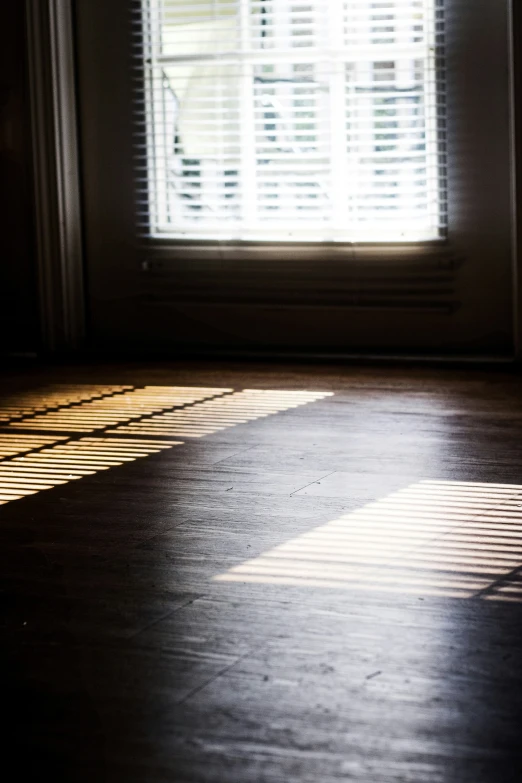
(38, 460)
(18, 406)
(108, 411)
(450, 538)
(50, 467)
(221, 413)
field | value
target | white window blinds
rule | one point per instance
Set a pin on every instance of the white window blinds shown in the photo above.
(303, 120)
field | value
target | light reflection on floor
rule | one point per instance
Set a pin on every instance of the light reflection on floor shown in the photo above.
(37, 460)
(220, 413)
(459, 539)
(450, 538)
(60, 464)
(111, 410)
(17, 406)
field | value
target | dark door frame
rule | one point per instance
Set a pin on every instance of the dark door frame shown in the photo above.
(516, 109)
(56, 172)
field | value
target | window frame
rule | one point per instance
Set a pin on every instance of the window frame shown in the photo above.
(356, 310)
(157, 64)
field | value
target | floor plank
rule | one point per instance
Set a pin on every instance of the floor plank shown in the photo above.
(329, 592)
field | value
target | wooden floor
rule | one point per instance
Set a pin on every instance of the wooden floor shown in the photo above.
(316, 583)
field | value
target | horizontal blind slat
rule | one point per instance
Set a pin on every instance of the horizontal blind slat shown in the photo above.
(255, 117)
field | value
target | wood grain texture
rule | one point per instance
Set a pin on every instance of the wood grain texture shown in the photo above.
(128, 655)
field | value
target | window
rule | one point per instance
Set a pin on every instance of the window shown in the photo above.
(283, 120)
(231, 146)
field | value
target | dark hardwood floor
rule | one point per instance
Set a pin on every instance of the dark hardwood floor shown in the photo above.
(316, 583)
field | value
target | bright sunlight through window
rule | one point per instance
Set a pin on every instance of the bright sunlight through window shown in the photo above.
(302, 120)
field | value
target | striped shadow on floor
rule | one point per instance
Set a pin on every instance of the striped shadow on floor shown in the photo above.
(34, 461)
(446, 538)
